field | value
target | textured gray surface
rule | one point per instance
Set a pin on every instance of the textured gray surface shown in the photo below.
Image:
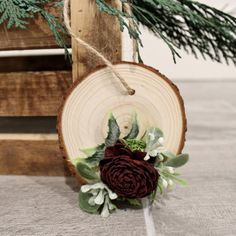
(48, 205)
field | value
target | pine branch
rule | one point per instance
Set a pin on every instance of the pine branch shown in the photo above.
(15, 12)
(122, 17)
(55, 26)
(183, 24)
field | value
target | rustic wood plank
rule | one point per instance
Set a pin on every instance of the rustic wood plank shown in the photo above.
(28, 125)
(37, 35)
(96, 28)
(32, 93)
(26, 157)
(34, 63)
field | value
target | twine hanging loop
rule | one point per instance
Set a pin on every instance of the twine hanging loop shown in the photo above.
(129, 90)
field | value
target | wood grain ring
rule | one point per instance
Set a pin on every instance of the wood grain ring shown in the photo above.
(82, 118)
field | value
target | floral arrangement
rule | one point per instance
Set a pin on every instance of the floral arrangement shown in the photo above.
(122, 171)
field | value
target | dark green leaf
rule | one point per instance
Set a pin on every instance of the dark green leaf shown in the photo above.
(134, 202)
(89, 151)
(178, 161)
(123, 203)
(97, 156)
(188, 25)
(86, 172)
(84, 205)
(113, 132)
(153, 195)
(134, 129)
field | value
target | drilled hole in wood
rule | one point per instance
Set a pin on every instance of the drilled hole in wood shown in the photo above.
(132, 92)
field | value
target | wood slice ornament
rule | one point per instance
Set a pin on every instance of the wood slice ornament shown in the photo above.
(82, 120)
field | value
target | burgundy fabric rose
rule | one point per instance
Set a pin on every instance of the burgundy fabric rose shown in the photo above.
(127, 173)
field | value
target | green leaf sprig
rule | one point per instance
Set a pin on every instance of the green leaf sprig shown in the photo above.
(96, 197)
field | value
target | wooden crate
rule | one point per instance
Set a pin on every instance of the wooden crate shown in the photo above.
(31, 91)
(31, 88)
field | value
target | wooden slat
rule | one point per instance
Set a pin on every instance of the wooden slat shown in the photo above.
(34, 63)
(27, 125)
(99, 30)
(23, 157)
(37, 35)
(32, 93)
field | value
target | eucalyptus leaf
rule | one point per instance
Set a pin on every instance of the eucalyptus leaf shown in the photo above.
(178, 161)
(98, 155)
(152, 136)
(84, 205)
(75, 161)
(86, 172)
(167, 155)
(134, 129)
(113, 132)
(89, 151)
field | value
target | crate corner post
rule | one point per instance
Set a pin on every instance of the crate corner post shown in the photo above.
(98, 29)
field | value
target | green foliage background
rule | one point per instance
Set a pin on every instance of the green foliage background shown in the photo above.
(181, 24)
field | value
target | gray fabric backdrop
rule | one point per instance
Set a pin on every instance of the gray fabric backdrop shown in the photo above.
(48, 205)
